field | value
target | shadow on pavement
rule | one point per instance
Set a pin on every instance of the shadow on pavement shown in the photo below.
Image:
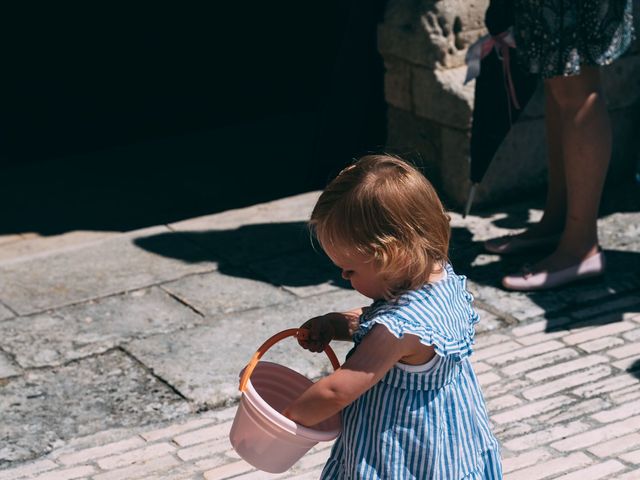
(623, 275)
(278, 253)
(282, 254)
(634, 369)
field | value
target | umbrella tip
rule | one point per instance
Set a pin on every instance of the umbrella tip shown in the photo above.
(472, 193)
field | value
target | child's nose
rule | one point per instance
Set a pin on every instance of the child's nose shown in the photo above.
(345, 275)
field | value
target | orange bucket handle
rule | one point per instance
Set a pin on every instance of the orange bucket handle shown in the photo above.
(291, 332)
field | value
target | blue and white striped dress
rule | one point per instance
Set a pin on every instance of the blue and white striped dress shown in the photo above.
(426, 425)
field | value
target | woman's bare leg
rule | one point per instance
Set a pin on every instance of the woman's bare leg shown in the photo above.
(553, 218)
(555, 210)
(582, 119)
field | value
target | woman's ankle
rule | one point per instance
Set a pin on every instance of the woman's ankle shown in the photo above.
(577, 251)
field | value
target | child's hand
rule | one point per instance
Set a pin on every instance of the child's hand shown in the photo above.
(287, 413)
(316, 333)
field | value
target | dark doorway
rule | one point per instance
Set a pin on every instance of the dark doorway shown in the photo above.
(119, 116)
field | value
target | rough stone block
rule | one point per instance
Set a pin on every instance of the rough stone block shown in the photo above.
(114, 265)
(45, 407)
(213, 293)
(428, 32)
(519, 165)
(454, 166)
(441, 96)
(397, 84)
(5, 313)
(452, 25)
(445, 150)
(415, 139)
(406, 42)
(7, 368)
(203, 363)
(54, 338)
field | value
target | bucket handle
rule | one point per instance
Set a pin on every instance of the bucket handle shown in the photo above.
(291, 332)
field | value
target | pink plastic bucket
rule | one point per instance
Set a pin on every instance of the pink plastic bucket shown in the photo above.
(260, 434)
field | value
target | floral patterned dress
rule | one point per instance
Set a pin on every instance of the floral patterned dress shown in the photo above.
(556, 37)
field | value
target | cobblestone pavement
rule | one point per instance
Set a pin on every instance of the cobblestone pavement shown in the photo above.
(119, 355)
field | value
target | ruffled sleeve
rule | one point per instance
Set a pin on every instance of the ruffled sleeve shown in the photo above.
(440, 315)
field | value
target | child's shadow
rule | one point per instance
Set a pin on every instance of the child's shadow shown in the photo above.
(284, 255)
(281, 254)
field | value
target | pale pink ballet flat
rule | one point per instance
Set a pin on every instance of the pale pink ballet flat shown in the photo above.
(511, 244)
(526, 280)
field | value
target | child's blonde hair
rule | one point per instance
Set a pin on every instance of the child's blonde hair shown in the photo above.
(382, 207)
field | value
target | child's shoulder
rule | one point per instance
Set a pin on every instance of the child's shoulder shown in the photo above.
(449, 290)
(440, 314)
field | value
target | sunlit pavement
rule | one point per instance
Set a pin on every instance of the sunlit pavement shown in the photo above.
(120, 352)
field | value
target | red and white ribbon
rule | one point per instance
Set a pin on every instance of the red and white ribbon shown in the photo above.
(502, 43)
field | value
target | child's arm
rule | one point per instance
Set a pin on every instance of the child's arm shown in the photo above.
(317, 332)
(378, 352)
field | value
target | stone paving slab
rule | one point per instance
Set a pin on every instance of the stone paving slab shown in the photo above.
(254, 233)
(215, 292)
(29, 244)
(203, 363)
(306, 273)
(7, 367)
(5, 313)
(44, 408)
(103, 268)
(56, 337)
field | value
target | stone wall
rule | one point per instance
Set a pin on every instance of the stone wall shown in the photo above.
(423, 43)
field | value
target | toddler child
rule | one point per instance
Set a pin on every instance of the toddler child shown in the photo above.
(411, 404)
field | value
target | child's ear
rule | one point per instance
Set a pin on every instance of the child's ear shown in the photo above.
(379, 256)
